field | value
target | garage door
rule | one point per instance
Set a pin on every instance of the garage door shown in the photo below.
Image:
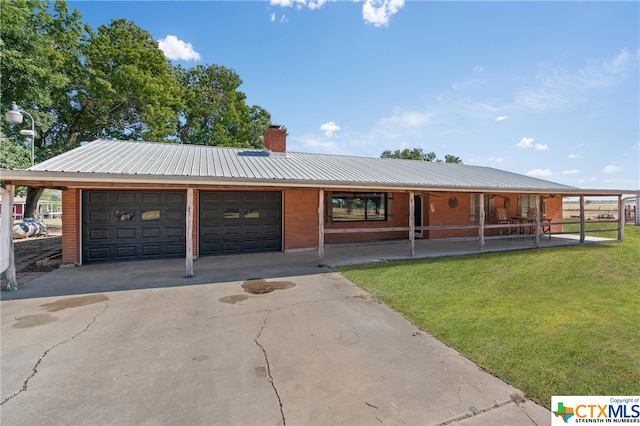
(240, 222)
(132, 225)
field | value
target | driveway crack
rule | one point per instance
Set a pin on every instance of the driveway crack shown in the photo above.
(34, 370)
(266, 358)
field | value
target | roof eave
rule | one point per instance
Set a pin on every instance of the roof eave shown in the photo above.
(76, 179)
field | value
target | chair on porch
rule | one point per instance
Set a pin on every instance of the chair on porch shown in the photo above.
(503, 219)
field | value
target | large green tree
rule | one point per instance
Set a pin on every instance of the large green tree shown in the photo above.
(215, 111)
(82, 84)
(418, 154)
(37, 42)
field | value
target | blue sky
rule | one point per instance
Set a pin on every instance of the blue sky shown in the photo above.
(547, 89)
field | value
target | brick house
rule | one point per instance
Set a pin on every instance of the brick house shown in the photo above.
(137, 200)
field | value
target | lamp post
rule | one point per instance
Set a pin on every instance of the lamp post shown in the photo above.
(14, 115)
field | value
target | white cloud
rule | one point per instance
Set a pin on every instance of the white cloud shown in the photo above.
(329, 128)
(502, 118)
(478, 68)
(406, 119)
(560, 89)
(176, 49)
(378, 12)
(272, 17)
(571, 172)
(286, 3)
(573, 156)
(528, 143)
(612, 168)
(619, 63)
(540, 172)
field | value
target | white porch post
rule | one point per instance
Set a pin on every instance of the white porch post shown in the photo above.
(582, 230)
(537, 239)
(481, 222)
(321, 227)
(6, 242)
(621, 218)
(189, 232)
(637, 212)
(412, 224)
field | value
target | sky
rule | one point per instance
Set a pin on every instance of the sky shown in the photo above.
(548, 89)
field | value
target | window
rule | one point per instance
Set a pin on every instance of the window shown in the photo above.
(252, 214)
(474, 208)
(358, 206)
(232, 213)
(527, 205)
(150, 215)
(125, 216)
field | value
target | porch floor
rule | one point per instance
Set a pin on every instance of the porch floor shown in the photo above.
(352, 254)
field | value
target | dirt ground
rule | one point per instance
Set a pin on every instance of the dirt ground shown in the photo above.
(29, 251)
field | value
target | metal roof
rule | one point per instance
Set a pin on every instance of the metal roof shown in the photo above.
(120, 161)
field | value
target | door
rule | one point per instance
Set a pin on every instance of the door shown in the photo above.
(417, 202)
(239, 222)
(132, 225)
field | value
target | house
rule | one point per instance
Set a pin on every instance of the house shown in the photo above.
(45, 209)
(127, 200)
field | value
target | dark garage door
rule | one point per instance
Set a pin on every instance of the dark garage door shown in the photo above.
(240, 222)
(132, 225)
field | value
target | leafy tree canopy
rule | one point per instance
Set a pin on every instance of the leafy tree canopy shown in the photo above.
(81, 84)
(418, 154)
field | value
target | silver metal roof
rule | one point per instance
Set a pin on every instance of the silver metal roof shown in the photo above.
(173, 163)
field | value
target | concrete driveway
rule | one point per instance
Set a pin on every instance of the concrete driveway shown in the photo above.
(135, 343)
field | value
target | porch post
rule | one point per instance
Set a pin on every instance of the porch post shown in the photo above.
(189, 232)
(582, 230)
(481, 222)
(537, 239)
(321, 227)
(621, 218)
(7, 239)
(412, 224)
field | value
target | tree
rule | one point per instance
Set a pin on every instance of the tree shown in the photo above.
(418, 154)
(215, 112)
(35, 47)
(14, 155)
(81, 84)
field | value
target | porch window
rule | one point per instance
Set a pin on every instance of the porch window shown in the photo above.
(358, 206)
(527, 204)
(474, 208)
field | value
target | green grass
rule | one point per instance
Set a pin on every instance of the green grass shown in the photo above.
(554, 321)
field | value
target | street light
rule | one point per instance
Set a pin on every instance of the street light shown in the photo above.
(14, 115)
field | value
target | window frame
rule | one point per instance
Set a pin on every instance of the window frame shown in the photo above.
(365, 199)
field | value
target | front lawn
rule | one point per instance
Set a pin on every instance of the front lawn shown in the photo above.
(553, 321)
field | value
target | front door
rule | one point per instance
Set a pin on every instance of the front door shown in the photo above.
(417, 202)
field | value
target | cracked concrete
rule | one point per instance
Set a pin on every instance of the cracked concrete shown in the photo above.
(321, 352)
(269, 374)
(34, 370)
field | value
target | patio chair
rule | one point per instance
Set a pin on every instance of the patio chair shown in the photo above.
(501, 214)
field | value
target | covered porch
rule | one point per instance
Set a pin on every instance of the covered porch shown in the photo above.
(360, 253)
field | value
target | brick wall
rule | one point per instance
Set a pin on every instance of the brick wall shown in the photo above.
(300, 218)
(71, 226)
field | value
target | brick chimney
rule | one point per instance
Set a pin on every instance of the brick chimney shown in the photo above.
(275, 138)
